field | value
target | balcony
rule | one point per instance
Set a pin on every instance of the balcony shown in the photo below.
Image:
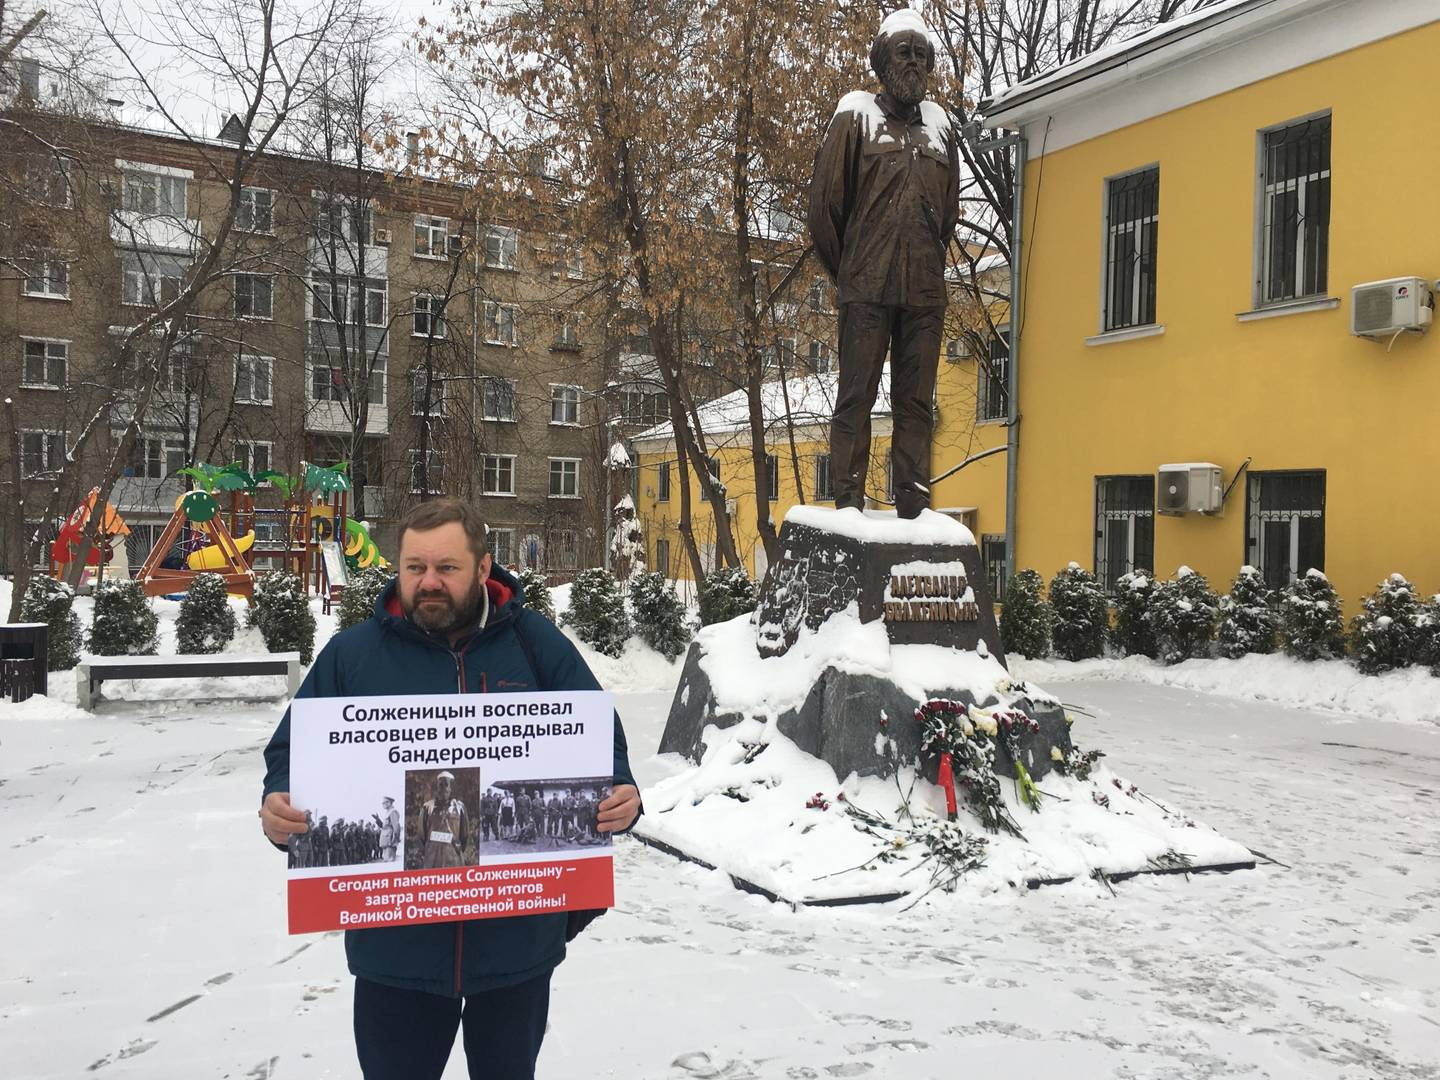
(150, 232)
(344, 258)
(144, 495)
(373, 497)
(333, 418)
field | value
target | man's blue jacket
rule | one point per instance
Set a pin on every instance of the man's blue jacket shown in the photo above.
(389, 654)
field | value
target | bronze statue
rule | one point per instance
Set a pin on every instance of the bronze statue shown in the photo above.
(884, 203)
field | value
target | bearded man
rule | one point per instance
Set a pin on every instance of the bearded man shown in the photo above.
(453, 621)
(884, 203)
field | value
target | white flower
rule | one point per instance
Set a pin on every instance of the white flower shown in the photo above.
(1069, 719)
(988, 725)
(1055, 754)
(968, 729)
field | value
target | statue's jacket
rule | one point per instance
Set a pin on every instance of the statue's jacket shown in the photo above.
(885, 200)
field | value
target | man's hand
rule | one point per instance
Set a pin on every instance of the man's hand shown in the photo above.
(620, 810)
(279, 819)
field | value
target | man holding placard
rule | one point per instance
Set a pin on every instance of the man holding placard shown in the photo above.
(440, 946)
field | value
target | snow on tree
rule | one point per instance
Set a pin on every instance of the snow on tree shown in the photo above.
(206, 622)
(1385, 635)
(726, 594)
(282, 612)
(1182, 614)
(52, 602)
(1427, 626)
(1025, 617)
(659, 614)
(1133, 635)
(1310, 619)
(597, 612)
(123, 623)
(357, 600)
(627, 543)
(1249, 620)
(1080, 614)
(535, 592)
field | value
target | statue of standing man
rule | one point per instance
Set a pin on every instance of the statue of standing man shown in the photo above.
(884, 203)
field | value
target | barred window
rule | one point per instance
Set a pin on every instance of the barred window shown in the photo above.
(501, 543)
(823, 488)
(1132, 227)
(1295, 214)
(992, 395)
(1124, 527)
(1285, 524)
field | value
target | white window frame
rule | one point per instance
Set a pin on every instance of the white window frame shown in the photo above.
(38, 187)
(164, 446)
(504, 242)
(821, 361)
(143, 283)
(569, 334)
(495, 326)
(493, 542)
(250, 281)
(169, 190)
(485, 410)
(63, 358)
(244, 451)
(417, 393)
(564, 474)
(567, 397)
(44, 265)
(486, 462)
(254, 363)
(246, 212)
(435, 466)
(436, 233)
(429, 309)
(372, 292)
(52, 450)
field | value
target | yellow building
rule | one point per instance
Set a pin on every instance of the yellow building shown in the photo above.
(1199, 204)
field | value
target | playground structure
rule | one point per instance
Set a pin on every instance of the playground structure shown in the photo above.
(310, 534)
(107, 558)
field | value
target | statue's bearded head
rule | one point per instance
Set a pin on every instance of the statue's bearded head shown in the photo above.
(903, 60)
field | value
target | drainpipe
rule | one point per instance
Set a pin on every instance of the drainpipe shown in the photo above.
(1012, 381)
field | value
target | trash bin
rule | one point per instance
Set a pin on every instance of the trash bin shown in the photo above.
(24, 659)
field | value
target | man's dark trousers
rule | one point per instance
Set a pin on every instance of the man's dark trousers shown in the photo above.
(408, 1034)
(912, 336)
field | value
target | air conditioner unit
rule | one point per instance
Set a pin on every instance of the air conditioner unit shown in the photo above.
(1383, 309)
(1192, 487)
(382, 236)
(455, 244)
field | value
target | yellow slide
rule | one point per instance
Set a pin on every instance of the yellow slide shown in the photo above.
(212, 558)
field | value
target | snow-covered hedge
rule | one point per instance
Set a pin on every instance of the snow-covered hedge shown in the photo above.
(726, 594)
(1025, 617)
(51, 602)
(1386, 635)
(536, 591)
(1080, 613)
(1310, 621)
(659, 614)
(597, 612)
(206, 622)
(282, 612)
(357, 600)
(1133, 635)
(1182, 614)
(123, 623)
(1249, 621)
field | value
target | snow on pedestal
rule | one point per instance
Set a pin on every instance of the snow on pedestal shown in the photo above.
(808, 782)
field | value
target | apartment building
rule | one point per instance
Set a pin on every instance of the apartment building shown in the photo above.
(434, 340)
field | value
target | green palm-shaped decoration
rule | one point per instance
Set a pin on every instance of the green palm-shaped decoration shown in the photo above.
(283, 482)
(326, 481)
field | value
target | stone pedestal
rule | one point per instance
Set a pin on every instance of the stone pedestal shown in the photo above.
(924, 581)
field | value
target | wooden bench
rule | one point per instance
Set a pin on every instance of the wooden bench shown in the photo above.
(94, 670)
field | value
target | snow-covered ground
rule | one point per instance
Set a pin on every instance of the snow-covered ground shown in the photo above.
(145, 917)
